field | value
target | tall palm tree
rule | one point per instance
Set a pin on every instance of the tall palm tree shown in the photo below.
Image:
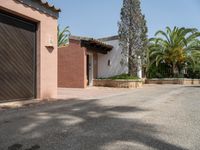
(63, 36)
(175, 47)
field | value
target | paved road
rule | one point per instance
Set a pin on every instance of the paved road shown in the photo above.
(155, 117)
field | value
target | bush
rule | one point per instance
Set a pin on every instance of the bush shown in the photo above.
(164, 71)
(193, 74)
(160, 71)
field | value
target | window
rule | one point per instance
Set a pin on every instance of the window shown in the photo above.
(109, 63)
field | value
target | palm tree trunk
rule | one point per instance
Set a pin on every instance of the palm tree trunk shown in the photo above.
(174, 69)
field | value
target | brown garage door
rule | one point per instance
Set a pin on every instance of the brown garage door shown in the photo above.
(17, 58)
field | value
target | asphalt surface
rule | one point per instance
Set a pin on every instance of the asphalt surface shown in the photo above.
(160, 117)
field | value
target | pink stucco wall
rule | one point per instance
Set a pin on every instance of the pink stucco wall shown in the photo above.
(46, 58)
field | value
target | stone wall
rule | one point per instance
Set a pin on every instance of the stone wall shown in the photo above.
(174, 81)
(118, 83)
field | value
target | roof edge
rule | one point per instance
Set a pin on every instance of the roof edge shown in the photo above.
(79, 38)
(42, 6)
(89, 39)
(109, 38)
(48, 5)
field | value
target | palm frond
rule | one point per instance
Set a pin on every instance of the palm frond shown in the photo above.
(63, 36)
(175, 46)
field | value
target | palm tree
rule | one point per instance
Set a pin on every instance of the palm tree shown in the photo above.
(63, 36)
(176, 48)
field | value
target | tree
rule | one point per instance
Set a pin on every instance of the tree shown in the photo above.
(176, 47)
(63, 36)
(132, 34)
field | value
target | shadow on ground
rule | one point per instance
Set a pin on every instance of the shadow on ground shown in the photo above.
(87, 126)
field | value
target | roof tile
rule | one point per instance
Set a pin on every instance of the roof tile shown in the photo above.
(48, 5)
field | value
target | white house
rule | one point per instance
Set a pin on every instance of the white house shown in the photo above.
(113, 62)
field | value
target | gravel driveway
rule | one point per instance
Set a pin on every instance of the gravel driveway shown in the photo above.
(161, 117)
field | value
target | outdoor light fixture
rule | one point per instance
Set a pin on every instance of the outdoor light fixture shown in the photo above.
(50, 43)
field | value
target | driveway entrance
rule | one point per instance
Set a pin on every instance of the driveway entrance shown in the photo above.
(158, 117)
(91, 93)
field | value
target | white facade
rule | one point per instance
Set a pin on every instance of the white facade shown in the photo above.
(111, 64)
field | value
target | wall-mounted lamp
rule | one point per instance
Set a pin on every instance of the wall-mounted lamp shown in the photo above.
(50, 43)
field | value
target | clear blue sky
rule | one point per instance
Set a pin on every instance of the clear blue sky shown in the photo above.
(98, 18)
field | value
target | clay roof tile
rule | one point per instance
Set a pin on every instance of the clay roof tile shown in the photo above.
(48, 5)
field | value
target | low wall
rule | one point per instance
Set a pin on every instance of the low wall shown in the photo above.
(118, 83)
(173, 81)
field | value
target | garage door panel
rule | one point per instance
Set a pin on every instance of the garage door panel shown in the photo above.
(17, 58)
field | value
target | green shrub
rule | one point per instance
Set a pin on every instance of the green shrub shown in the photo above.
(160, 71)
(164, 71)
(193, 74)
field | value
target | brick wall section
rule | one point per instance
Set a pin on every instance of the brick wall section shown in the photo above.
(72, 66)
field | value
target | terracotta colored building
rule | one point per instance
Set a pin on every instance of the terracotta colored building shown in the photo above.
(28, 51)
(78, 62)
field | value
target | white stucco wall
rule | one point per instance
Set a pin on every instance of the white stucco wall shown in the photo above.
(115, 57)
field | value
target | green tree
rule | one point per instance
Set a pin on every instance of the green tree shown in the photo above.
(63, 36)
(132, 34)
(177, 47)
